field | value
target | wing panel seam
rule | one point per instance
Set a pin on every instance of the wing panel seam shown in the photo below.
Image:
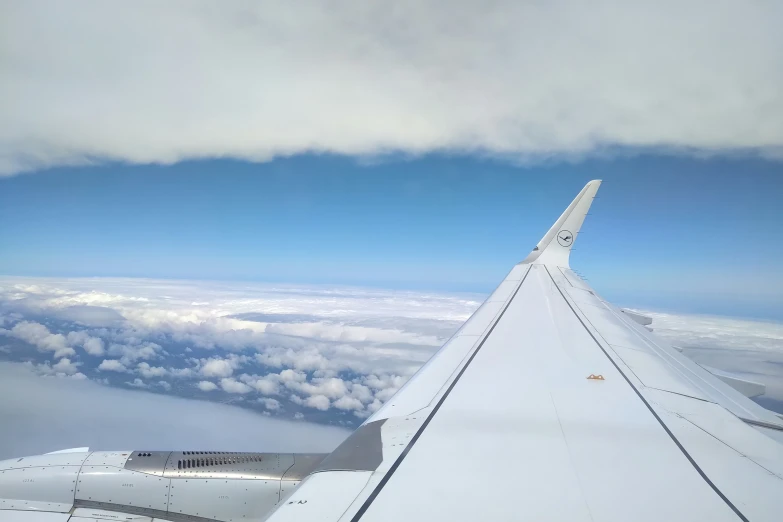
(367, 503)
(650, 408)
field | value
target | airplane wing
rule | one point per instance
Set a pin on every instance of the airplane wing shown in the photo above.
(552, 404)
(549, 404)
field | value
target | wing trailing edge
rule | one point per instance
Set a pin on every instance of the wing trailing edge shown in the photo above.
(555, 247)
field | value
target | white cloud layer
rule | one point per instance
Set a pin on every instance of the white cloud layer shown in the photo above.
(51, 414)
(151, 81)
(750, 348)
(338, 349)
(335, 354)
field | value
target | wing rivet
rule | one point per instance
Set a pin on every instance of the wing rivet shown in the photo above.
(594, 377)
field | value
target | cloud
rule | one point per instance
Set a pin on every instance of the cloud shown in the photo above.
(149, 372)
(130, 353)
(137, 383)
(40, 336)
(206, 386)
(319, 402)
(112, 365)
(217, 368)
(45, 420)
(348, 403)
(62, 368)
(270, 404)
(519, 79)
(233, 386)
(746, 347)
(336, 353)
(91, 345)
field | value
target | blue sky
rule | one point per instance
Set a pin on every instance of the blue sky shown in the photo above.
(669, 232)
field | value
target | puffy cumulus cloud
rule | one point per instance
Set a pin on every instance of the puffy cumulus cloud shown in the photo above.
(518, 79)
(39, 336)
(137, 383)
(331, 388)
(319, 402)
(149, 372)
(45, 420)
(270, 404)
(215, 367)
(348, 403)
(112, 365)
(181, 373)
(206, 386)
(266, 385)
(233, 386)
(62, 368)
(130, 353)
(91, 345)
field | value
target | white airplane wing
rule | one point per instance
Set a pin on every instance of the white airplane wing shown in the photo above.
(552, 404)
(549, 404)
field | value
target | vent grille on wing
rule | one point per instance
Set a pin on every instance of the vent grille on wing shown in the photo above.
(213, 459)
(224, 464)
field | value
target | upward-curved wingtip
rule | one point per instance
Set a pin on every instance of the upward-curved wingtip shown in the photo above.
(555, 247)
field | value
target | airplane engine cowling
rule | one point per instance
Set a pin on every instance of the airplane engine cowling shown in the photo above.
(171, 485)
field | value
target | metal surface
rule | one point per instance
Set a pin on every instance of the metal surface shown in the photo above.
(225, 465)
(107, 458)
(362, 450)
(327, 498)
(32, 516)
(226, 500)
(228, 465)
(151, 462)
(304, 464)
(140, 511)
(45, 488)
(544, 434)
(115, 485)
(102, 514)
(37, 461)
(637, 317)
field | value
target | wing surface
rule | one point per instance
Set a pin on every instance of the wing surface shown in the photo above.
(552, 404)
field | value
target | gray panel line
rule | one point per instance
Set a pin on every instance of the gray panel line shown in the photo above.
(367, 503)
(649, 407)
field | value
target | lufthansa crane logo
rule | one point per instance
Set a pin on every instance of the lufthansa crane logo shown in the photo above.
(565, 238)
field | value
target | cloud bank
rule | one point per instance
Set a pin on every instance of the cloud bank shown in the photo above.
(48, 414)
(750, 348)
(88, 81)
(328, 354)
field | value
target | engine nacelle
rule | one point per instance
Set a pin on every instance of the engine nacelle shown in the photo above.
(173, 485)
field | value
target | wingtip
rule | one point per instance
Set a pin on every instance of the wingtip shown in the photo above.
(552, 252)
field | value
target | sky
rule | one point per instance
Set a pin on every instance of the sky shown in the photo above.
(288, 208)
(668, 232)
